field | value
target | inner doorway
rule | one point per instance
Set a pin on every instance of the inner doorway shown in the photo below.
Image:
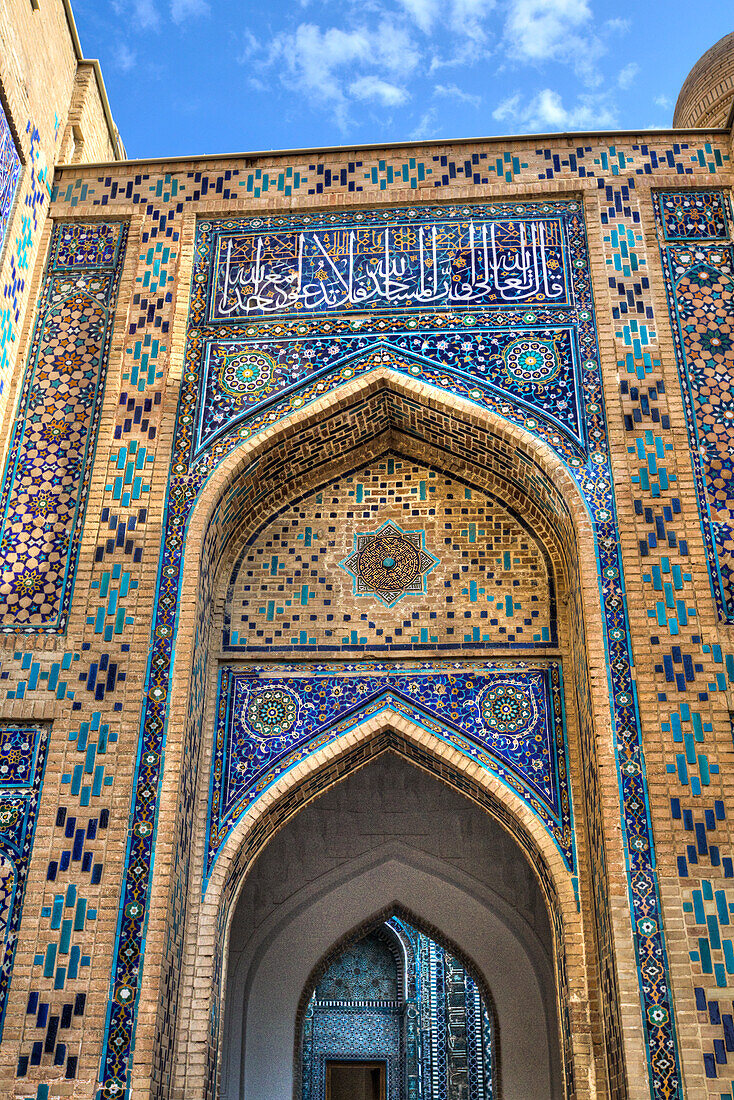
(355, 1080)
(395, 1015)
(390, 838)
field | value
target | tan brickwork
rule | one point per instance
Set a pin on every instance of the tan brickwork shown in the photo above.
(707, 96)
(369, 450)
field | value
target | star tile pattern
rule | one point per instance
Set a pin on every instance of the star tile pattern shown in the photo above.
(389, 563)
(52, 451)
(290, 592)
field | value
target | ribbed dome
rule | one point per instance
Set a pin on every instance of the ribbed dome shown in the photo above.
(707, 96)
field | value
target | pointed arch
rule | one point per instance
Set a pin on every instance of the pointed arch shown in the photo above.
(392, 732)
(390, 917)
(362, 419)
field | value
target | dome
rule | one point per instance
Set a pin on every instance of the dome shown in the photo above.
(707, 96)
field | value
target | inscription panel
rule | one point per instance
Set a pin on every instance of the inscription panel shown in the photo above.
(409, 260)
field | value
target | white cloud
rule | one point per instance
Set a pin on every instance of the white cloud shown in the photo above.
(181, 10)
(540, 30)
(663, 101)
(508, 108)
(124, 58)
(313, 57)
(465, 17)
(468, 17)
(250, 47)
(372, 87)
(424, 12)
(617, 26)
(452, 91)
(323, 64)
(546, 112)
(628, 75)
(426, 127)
(395, 48)
(145, 15)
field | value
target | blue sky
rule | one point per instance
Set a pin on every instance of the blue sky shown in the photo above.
(218, 76)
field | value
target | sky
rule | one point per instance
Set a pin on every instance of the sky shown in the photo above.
(193, 77)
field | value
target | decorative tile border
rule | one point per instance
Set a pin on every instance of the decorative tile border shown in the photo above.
(698, 265)
(22, 763)
(51, 456)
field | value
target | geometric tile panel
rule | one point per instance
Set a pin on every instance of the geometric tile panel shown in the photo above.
(22, 762)
(699, 277)
(47, 477)
(506, 716)
(9, 173)
(294, 587)
(692, 215)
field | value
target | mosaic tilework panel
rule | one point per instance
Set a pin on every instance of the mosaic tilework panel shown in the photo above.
(476, 576)
(367, 971)
(435, 1037)
(693, 215)
(52, 451)
(514, 278)
(35, 192)
(22, 763)
(536, 367)
(171, 193)
(508, 717)
(699, 275)
(9, 173)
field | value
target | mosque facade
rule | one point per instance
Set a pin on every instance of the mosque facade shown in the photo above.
(366, 608)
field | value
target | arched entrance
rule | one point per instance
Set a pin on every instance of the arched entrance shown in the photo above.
(381, 421)
(392, 1013)
(392, 840)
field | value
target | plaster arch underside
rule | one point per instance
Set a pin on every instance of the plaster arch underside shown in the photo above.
(388, 429)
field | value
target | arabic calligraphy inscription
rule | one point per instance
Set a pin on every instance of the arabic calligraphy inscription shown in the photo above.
(407, 265)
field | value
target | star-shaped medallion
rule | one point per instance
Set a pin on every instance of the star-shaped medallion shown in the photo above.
(388, 563)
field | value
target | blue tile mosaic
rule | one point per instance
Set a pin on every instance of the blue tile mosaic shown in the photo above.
(506, 716)
(9, 174)
(49, 467)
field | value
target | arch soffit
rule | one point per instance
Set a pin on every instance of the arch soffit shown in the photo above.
(541, 534)
(395, 851)
(397, 944)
